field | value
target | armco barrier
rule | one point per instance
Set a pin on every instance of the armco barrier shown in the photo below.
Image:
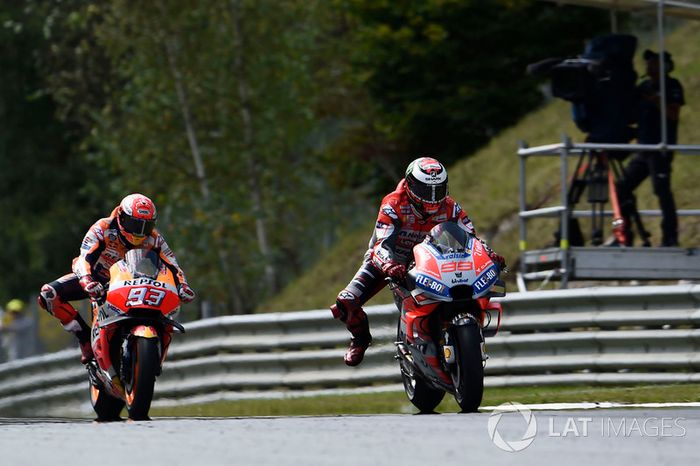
(582, 336)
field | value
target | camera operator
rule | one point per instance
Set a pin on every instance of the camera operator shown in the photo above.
(657, 165)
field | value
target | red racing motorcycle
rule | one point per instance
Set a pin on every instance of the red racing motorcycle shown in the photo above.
(445, 314)
(131, 333)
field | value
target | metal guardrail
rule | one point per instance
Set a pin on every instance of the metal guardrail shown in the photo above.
(580, 336)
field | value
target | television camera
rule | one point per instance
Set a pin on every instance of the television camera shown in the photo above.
(601, 86)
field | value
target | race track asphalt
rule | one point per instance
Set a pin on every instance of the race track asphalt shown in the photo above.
(583, 437)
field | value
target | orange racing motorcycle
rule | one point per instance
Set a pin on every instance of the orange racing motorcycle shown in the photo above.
(131, 331)
(445, 314)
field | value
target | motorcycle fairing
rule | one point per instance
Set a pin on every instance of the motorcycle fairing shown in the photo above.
(436, 273)
(489, 307)
(426, 357)
(425, 260)
(127, 291)
(411, 310)
(104, 323)
(424, 350)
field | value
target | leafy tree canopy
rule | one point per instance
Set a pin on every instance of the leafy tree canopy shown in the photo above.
(446, 75)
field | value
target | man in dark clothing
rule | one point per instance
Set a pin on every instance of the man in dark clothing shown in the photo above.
(656, 165)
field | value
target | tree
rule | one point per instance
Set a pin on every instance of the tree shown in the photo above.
(213, 120)
(445, 75)
(46, 188)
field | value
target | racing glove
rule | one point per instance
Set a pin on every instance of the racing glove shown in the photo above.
(498, 259)
(93, 288)
(186, 293)
(394, 270)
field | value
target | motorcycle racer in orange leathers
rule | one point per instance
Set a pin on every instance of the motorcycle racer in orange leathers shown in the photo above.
(406, 215)
(131, 225)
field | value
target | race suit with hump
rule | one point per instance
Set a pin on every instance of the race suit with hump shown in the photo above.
(397, 230)
(102, 246)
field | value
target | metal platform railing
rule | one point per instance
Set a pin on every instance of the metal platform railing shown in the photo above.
(566, 258)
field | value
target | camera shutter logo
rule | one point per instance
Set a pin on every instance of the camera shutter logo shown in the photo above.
(512, 445)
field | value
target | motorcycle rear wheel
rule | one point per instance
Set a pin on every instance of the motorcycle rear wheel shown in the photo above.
(144, 367)
(423, 396)
(468, 374)
(106, 406)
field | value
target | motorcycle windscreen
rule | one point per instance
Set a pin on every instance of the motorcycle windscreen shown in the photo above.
(448, 238)
(143, 263)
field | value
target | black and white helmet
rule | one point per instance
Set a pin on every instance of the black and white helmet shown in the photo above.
(426, 185)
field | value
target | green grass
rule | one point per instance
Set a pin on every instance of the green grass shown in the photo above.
(487, 183)
(391, 403)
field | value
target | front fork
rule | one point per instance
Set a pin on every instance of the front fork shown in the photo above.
(104, 375)
(140, 331)
(448, 342)
(412, 358)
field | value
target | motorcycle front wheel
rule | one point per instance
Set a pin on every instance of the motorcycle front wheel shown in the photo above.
(106, 406)
(468, 373)
(423, 396)
(144, 367)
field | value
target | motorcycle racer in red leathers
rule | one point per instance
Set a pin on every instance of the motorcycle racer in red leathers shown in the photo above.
(131, 225)
(406, 215)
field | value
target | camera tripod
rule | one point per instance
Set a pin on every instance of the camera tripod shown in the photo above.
(598, 171)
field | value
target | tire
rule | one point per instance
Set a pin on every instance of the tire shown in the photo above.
(106, 406)
(144, 367)
(423, 396)
(468, 375)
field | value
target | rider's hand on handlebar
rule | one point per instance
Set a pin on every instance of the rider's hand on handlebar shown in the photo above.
(186, 293)
(498, 259)
(394, 270)
(93, 288)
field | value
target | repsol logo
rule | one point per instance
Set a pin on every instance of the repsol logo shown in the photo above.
(144, 281)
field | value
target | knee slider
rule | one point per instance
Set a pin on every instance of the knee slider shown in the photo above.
(46, 297)
(346, 305)
(50, 300)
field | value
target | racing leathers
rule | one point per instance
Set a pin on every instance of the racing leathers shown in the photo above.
(390, 251)
(102, 246)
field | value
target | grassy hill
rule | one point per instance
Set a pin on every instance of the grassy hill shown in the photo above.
(486, 184)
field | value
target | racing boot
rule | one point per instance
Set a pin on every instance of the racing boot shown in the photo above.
(79, 328)
(348, 310)
(86, 350)
(360, 341)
